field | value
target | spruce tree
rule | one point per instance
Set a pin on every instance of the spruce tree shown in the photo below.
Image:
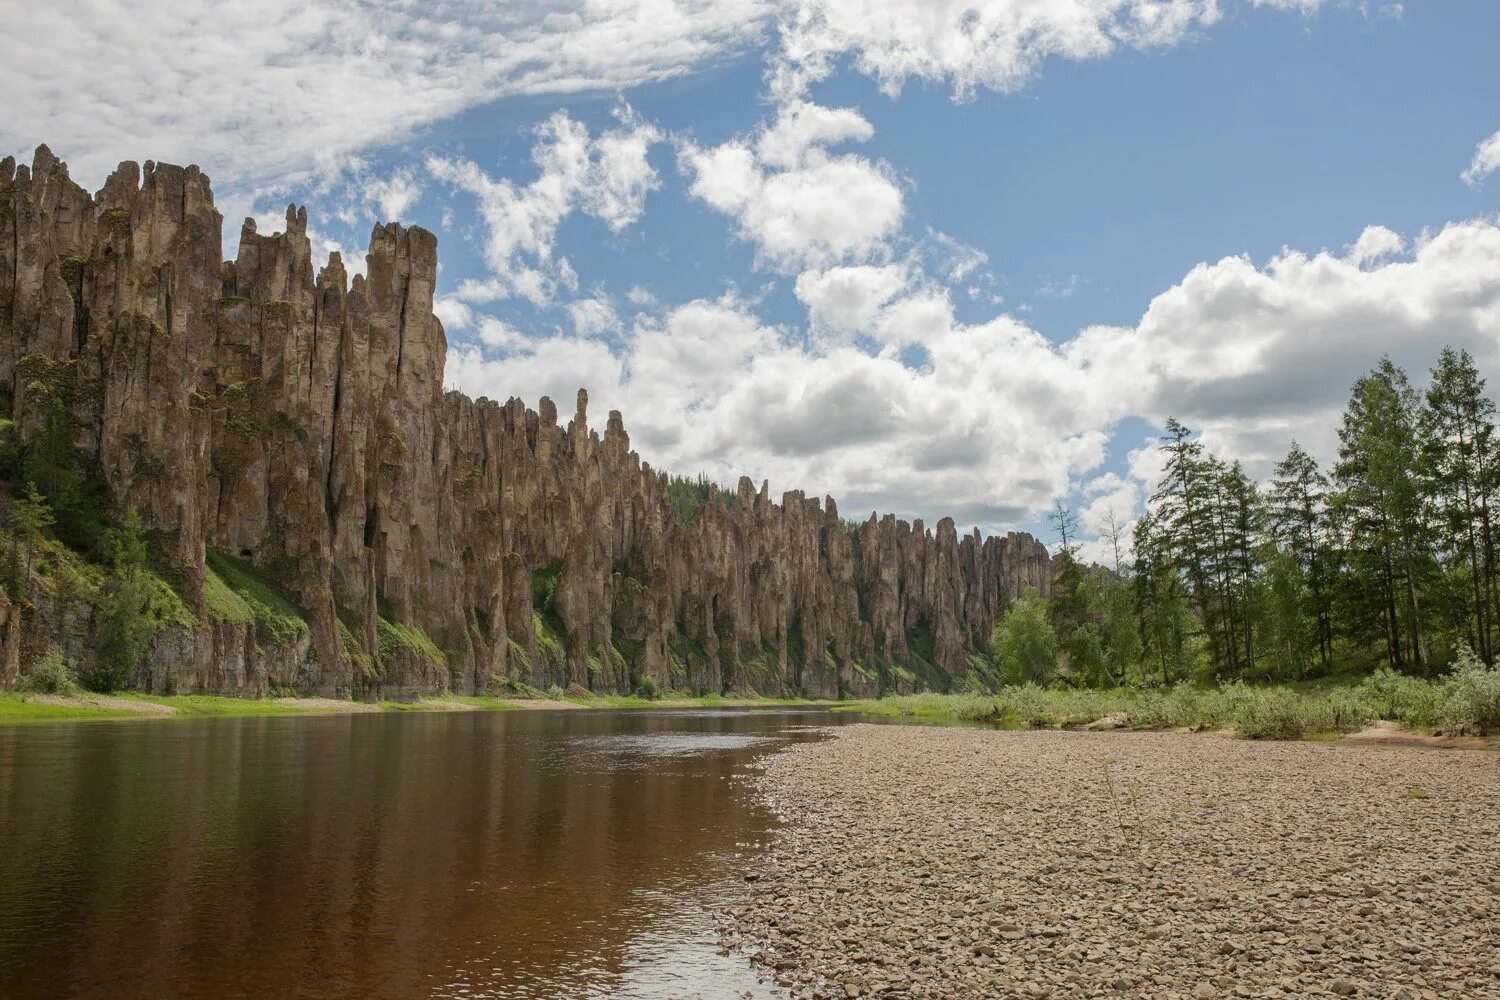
(1297, 512)
(1457, 428)
(1380, 499)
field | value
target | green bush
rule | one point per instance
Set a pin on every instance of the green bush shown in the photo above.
(1270, 714)
(1182, 704)
(963, 707)
(647, 687)
(1403, 699)
(126, 631)
(52, 674)
(1471, 696)
(510, 687)
(1024, 643)
(1345, 710)
(129, 613)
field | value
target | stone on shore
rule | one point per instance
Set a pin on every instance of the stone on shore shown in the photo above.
(928, 862)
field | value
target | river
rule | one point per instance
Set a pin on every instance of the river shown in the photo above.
(462, 854)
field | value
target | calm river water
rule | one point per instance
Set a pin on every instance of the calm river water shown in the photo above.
(465, 854)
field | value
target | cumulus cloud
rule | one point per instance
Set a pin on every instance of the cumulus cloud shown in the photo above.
(592, 317)
(454, 313)
(998, 420)
(1375, 244)
(995, 425)
(1105, 503)
(1486, 161)
(1257, 355)
(394, 194)
(798, 203)
(275, 92)
(607, 177)
(556, 366)
(971, 44)
(848, 299)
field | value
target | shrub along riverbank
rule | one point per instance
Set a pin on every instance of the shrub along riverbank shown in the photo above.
(1465, 703)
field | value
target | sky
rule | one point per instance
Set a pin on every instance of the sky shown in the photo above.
(960, 258)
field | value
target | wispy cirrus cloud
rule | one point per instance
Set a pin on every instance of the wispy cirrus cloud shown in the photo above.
(1486, 161)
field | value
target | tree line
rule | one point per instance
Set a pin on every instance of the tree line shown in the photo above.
(1385, 558)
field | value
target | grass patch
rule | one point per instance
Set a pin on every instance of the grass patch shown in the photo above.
(394, 637)
(17, 707)
(235, 591)
(198, 705)
(21, 707)
(1461, 703)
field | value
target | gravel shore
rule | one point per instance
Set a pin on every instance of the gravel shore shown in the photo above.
(931, 862)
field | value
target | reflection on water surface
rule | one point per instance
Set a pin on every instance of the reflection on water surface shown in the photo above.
(448, 855)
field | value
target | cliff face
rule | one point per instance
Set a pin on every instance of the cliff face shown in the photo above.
(289, 417)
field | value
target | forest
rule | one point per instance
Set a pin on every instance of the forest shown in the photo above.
(1386, 559)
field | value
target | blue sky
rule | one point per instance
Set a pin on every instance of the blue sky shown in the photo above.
(972, 269)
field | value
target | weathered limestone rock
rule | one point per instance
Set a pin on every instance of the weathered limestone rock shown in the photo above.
(281, 414)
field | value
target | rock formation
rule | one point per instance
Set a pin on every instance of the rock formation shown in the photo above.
(294, 419)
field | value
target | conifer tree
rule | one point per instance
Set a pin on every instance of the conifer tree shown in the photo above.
(1457, 427)
(1297, 513)
(1380, 499)
(30, 515)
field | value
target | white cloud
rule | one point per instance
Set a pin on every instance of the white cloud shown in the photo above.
(453, 313)
(800, 205)
(591, 317)
(998, 421)
(394, 194)
(607, 177)
(553, 366)
(847, 299)
(954, 259)
(970, 44)
(1375, 244)
(276, 92)
(1257, 356)
(1486, 161)
(801, 127)
(498, 335)
(1102, 498)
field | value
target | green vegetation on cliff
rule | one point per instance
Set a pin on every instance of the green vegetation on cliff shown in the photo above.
(688, 495)
(235, 591)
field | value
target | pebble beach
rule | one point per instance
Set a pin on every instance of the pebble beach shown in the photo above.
(935, 862)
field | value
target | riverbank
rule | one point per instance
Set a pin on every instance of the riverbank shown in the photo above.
(1463, 705)
(938, 862)
(18, 707)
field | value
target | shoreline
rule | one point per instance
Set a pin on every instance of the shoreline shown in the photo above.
(924, 861)
(17, 708)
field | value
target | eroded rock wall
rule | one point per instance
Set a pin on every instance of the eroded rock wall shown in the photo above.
(283, 414)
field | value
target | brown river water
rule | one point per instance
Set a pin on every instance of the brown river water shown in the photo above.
(463, 854)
